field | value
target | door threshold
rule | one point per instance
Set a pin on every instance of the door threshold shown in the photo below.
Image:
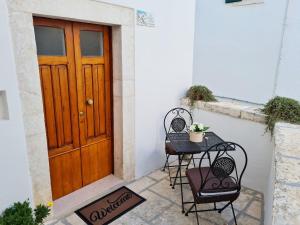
(83, 196)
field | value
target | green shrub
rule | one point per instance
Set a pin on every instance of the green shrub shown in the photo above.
(200, 93)
(22, 214)
(281, 109)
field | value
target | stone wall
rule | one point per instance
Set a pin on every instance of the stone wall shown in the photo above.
(286, 201)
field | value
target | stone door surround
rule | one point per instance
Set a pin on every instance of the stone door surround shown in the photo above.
(121, 19)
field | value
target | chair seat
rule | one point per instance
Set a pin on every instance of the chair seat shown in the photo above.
(211, 193)
(169, 149)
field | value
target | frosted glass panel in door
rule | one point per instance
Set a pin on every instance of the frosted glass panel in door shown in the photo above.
(50, 41)
(91, 43)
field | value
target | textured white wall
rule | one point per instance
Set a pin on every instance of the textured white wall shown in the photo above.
(237, 48)
(289, 70)
(252, 137)
(164, 61)
(15, 182)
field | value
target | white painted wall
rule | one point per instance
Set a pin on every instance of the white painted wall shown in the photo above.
(164, 61)
(289, 71)
(252, 137)
(15, 182)
(237, 49)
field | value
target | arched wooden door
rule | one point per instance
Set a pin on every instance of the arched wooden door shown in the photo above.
(74, 62)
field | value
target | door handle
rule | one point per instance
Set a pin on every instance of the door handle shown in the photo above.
(81, 113)
(89, 101)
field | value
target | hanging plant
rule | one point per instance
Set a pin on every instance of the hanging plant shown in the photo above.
(281, 109)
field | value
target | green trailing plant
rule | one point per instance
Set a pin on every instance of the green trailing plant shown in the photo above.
(281, 109)
(200, 93)
(22, 214)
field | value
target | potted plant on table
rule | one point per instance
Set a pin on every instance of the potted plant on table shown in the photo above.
(197, 132)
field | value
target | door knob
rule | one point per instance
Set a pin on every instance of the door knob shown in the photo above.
(81, 113)
(89, 101)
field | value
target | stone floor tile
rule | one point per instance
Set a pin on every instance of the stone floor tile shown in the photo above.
(153, 206)
(57, 223)
(51, 222)
(213, 217)
(163, 188)
(158, 175)
(227, 214)
(259, 195)
(174, 216)
(242, 201)
(254, 209)
(248, 191)
(247, 220)
(74, 220)
(141, 184)
(129, 219)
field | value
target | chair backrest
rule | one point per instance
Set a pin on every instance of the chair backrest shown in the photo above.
(177, 120)
(226, 167)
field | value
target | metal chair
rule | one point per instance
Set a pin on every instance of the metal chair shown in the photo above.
(220, 181)
(177, 121)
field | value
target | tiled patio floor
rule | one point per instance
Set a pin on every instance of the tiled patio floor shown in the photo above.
(163, 206)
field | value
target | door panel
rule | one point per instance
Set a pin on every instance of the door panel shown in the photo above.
(94, 101)
(95, 158)
(65, 173)
(77, 101)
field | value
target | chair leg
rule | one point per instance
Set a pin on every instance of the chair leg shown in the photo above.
(233, 213)
(194, 162)
(168, 166)
(167, 162)
(189, 162)
(178, 170)
(187, 212)
(196, 213)
(221, 210)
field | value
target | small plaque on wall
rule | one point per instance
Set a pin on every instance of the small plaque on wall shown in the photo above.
(144, 19)
(231, 1)
(244, 2)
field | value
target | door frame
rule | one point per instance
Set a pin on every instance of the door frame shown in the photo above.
(121, 19)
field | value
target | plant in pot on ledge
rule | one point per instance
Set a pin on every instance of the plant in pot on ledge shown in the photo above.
(197, 132)
(200, 93)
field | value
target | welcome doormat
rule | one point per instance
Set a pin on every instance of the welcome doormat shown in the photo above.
(110, 207)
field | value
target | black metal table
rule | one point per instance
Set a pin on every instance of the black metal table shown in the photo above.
(182, 145)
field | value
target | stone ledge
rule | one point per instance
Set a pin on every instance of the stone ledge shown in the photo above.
(232, 109)
(286, 206)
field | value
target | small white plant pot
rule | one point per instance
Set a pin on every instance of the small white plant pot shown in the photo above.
(196, 136)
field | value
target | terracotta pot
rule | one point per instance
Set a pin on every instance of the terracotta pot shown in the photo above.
(196, 136)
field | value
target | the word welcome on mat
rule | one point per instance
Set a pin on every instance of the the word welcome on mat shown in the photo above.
(110, 207)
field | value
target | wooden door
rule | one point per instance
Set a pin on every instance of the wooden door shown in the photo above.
(78, 131)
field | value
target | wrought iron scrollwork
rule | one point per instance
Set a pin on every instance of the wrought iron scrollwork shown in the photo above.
(177, 120)
(222, 174)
